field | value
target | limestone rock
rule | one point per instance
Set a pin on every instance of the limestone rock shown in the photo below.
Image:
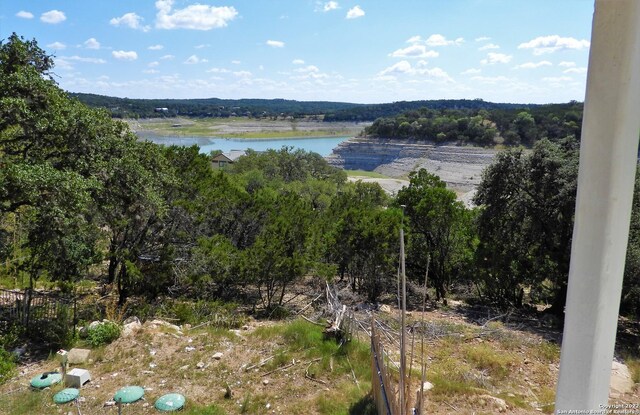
(130, 328)
(78, 356)
(621, 381)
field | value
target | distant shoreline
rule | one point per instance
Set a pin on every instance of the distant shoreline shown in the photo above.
(242, 128)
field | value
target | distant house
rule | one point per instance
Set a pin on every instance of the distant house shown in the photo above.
(163, 109)
(221, 160)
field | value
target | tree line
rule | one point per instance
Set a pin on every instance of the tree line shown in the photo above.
(81, 196)
(509, 126)
(209, 107)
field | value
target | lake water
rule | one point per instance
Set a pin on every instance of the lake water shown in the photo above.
(320, 145)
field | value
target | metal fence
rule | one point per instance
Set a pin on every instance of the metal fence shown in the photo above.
(31, 309)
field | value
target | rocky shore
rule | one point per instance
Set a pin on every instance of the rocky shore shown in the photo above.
(459, 166)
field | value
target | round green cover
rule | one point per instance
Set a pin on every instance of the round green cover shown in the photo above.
(170, 402)
(44, 380)
(66, 395)
(129, 394)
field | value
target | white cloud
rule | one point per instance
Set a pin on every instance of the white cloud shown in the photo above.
(218, 70)
(125, 55)
(414, 39)
(156, 47)
(567, 64)
(355, 12)
(153, 64)
(471, 71)
(130, 20)
(202, 46)
(85, 60)
(57, 46)
(297, 62)
(195, 16)
(193, 59)
(236, 62)
(439, 40)
(53, 17)
(243, 74)
(493, 58)
(533, 65)
(92, 43)
(151, 71)
(414, 51)
(306, 69)
(553, 43)
(489, 46)
(490, 79)
(575, 70)
(404, 67)
(275, 43)
(482, 39)
(557, 79)
(330, 5)
(167, 57)
(24, 14)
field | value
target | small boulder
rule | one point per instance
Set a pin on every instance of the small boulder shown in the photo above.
(385, 308)
(217, 355)
(129, 329)
(498, 403)
(78, 356)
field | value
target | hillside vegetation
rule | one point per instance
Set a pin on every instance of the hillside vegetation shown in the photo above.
(509, 126)
(84, 204)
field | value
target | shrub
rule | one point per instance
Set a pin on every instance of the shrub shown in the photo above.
(7, 365)
(103, 333)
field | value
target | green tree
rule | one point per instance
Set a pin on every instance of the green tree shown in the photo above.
(526, 223)
(440, 228)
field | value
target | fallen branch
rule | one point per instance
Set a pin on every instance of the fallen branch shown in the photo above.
(206, 323)
(308, 305)
(277, 369)
(306, 374)
(262, 363)
(311, 321)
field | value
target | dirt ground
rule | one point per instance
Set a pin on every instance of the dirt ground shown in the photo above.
(519, 354)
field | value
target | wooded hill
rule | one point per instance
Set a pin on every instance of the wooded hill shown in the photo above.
(260, 108)
(511, 126)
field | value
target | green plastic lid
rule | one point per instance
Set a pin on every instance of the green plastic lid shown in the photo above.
(129, 394)
(170, 402)
(66, 395)
(46, 379)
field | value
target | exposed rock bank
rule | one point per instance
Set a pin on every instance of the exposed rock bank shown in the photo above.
(459, 166)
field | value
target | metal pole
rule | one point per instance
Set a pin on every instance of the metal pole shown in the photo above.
(403, 361)
(608, 162)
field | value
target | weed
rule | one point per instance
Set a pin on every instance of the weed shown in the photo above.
(634, 368)
(104, 333)
(484, 357)
(26, 403)
(7, 365)
(547, 397)
(547, 351)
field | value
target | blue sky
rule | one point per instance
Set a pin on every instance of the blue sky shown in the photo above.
(356, 51)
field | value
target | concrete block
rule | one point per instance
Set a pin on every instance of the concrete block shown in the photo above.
(77, 377)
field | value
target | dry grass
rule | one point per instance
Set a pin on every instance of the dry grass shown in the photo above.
(307, 375)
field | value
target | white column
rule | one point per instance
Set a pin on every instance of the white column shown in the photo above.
(608, 157)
